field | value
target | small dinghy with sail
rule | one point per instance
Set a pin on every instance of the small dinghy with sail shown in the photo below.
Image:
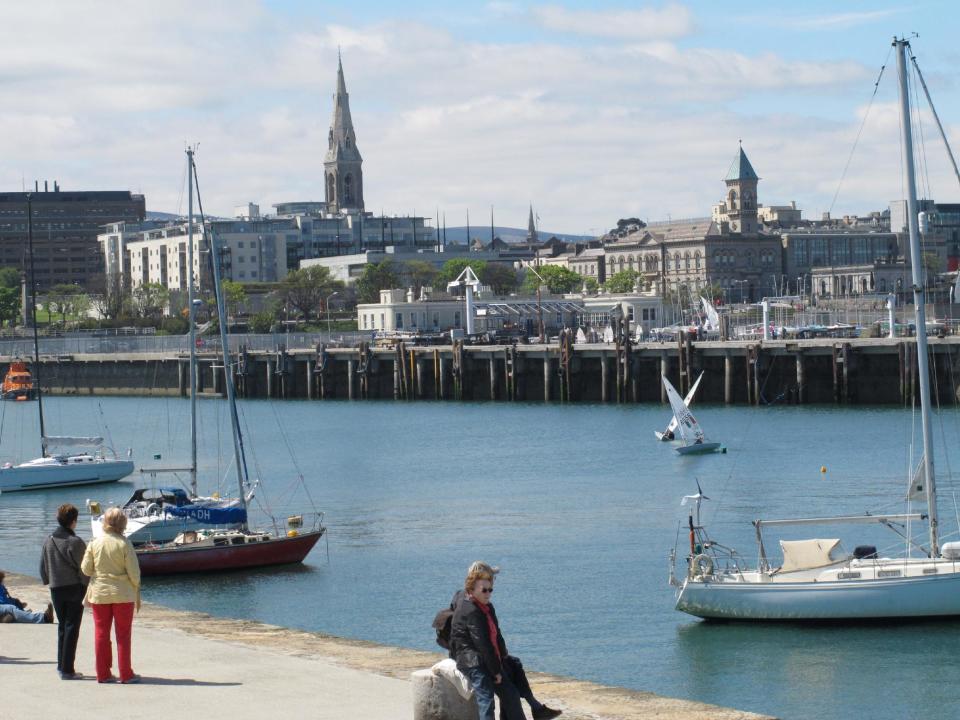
(693, 441)
(671, 432)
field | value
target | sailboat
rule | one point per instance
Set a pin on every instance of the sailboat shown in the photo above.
(693, 441)
(670, 432)
(195, 551)
(817, 579)
(98, 463)
(159, 514)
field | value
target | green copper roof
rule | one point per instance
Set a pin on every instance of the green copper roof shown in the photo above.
(741, 169)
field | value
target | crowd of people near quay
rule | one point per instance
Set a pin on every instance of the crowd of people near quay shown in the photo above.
(103, 575)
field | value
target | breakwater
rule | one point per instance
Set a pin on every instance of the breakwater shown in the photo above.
(842, 371)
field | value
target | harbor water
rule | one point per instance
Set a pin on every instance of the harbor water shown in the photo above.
(579, 505)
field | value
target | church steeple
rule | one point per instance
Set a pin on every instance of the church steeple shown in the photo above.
(532, 237)
(343, 176)
(741, 200)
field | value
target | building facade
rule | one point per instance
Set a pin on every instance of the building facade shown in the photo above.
(65, 230)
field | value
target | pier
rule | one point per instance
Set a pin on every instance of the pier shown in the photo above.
(233, 669)
(854, 371)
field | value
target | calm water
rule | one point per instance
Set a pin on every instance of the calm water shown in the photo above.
(579, 506)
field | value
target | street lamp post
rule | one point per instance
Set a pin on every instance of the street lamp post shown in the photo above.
(327, 304)
(539, 306)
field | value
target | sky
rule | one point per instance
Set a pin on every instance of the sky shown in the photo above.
(589, 111)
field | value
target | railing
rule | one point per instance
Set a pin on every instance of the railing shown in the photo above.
(174, 344)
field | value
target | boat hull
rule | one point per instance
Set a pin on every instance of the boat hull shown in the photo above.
(38, 477)
(913, 597)
(141, 531)
(699, 449)
(189, 559)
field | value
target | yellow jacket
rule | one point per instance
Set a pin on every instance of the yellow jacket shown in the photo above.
(114, 572)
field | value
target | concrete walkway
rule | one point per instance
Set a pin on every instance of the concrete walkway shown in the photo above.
(199, 666)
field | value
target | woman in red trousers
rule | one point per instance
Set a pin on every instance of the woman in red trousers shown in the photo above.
(114, 591)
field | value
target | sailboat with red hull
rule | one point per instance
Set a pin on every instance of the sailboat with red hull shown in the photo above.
(205, 551)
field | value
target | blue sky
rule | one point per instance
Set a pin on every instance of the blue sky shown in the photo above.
(591, 111)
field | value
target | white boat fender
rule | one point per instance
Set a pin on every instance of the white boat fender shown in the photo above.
(701, 565)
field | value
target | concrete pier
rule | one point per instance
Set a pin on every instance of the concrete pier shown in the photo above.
(232, 669)
(842, 371)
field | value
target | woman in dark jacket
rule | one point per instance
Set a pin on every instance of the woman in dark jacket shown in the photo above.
(60, 569)
(478, 647)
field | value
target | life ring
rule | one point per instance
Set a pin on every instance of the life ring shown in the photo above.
(701, 565)
(153, 509)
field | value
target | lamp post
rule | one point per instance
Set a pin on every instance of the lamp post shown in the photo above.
(539, 306)
(327, 305)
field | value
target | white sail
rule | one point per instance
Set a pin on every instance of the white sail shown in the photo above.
(686, 423)
(608, 334)
(581, 337)
(672, 427)
(918, 487)
(713, 319)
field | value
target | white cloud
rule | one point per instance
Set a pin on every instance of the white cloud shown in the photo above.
(670, 21)
(842, 21)
(589, 133)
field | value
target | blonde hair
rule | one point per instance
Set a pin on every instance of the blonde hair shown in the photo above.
(114, 521)
(479, 571)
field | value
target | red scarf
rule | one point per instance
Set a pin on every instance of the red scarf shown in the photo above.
(491, 625)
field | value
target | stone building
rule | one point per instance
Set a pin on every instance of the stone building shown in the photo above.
(728, 250)
(343, 175)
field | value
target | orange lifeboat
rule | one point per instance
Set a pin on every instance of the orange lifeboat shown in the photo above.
(18, 383)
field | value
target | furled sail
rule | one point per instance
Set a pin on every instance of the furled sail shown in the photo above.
(67, 441)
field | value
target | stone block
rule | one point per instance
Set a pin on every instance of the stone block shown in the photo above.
(442, 693)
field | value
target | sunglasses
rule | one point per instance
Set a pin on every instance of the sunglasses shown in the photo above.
(486, 590)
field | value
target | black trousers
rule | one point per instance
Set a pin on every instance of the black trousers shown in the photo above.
(68, 604)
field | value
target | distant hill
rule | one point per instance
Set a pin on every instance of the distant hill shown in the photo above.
(507, 234)
(154, 215)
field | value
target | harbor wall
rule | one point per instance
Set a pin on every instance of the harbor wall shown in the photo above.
(841, 371)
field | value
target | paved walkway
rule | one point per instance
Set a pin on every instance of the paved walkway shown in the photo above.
(198, 666)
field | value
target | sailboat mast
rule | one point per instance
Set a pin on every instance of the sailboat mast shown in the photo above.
(193, 328)
(919, 294)
(33, 319)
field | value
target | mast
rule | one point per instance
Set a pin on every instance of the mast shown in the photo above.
(919, 294)
(239, 459)
(193, 328)
(33, 318)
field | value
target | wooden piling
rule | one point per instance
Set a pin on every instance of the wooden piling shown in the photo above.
(801, 381)
(727, 377)
(492, 364)
(546, 376)
(308, 377)
(350, 379)
(664, 367)
(604, 379)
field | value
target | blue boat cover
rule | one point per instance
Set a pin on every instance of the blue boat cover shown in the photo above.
(226, 514)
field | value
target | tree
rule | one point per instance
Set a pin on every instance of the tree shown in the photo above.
(374, 278)
(9, 295)
(557, 279)
(622, 282)
(150, 300)
(63, 298)
(234, 295)
(592, 285)
(108, 295)
(420, 273)
(501, 278)
(452, 268)
(306, 289)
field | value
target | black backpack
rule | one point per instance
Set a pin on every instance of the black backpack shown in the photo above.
(443, 623)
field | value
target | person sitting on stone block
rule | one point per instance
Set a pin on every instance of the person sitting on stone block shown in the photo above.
(14, 610)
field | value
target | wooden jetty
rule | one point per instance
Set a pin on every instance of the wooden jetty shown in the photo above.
(842, 371)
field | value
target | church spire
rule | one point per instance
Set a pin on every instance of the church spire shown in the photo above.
(532, 228)
(343, 186)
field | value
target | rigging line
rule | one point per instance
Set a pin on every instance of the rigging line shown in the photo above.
(293, 458)
(921, 144)
(876, 87)
(936, 117)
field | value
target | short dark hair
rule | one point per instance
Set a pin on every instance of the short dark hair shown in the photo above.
(66, 514)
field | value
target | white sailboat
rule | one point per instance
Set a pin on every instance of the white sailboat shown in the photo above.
(670, 432)
(98, 463)
(693, 441)
(817, 580)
